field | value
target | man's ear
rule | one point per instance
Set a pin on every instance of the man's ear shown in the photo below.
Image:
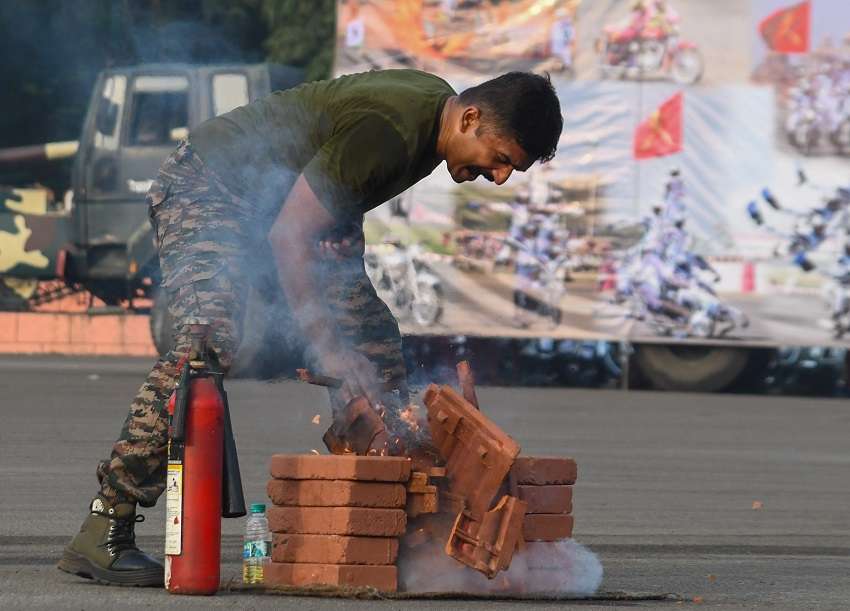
(470, 118)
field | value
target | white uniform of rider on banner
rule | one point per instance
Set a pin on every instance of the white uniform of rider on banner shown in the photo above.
(674, 198)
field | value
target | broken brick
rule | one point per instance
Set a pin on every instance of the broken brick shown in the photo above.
(488, 545)
(467, 383)
(437, 472)
(544, 470)
(478, 453)
(357, 429)
(336, 493)
(334, 549)
(348, 466)
(418, 482)
(547, 499)
(384, 578)
(451, 503)
(421, 503)
(338, 521)
(547, 526)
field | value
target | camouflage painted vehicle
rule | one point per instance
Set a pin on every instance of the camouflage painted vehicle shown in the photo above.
(98, 238)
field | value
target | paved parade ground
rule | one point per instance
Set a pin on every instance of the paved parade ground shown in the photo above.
(722, 501)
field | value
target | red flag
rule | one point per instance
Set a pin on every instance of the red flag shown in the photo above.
(661, 133)
(787, 30)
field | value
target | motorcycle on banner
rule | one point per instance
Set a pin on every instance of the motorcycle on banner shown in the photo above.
(674, 300)
(649, 46)
(545, 281)
(662, 282)
(809, 228)
(837, 295)
(405, 282)
(818, 108)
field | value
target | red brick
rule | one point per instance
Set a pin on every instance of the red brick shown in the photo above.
(547, 526)
(478, 453)
(544, 470)
(547, 499)
(357, 429)
(338, 521)
(467, 383)
(488, 545)
(350, 467)
(334, 549)
(437, 472)
(418, 482)
(335, 493)
(384, 578)
(422, 503)
(450, 503)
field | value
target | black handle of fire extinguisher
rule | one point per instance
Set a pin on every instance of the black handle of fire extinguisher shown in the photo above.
(232, 496)
(181, 405)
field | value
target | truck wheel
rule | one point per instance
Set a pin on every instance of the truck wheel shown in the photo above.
(162, 325)
(700, 368)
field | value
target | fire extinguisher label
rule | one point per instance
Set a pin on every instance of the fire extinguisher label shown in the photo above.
(174, 509)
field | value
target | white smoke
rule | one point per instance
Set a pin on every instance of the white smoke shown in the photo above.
(559, 567)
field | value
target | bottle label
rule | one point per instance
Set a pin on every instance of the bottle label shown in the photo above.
(174, 509)
(255, 549)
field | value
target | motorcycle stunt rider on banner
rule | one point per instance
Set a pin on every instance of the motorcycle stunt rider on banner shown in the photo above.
(840, 302)
(282, 184)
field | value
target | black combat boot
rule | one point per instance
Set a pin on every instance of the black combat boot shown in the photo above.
(105, 548)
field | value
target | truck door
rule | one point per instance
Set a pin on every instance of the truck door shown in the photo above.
(97, 163)
(156, 117)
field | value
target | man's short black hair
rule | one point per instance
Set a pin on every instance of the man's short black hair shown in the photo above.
(523, 106)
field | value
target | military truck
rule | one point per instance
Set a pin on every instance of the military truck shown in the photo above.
(98, 238)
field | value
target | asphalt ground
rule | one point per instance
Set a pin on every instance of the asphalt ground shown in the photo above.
(734, 502)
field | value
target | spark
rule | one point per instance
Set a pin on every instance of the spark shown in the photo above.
(316, 419)
(410, 416)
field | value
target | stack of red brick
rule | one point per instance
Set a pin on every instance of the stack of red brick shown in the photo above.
(546, 485)
(336, 520)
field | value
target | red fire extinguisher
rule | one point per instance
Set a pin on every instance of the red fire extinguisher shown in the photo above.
(202, 481)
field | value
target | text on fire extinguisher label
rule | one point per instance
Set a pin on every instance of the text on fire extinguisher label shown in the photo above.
(174, 509)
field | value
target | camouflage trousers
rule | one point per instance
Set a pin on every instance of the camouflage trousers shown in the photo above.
(207, 249)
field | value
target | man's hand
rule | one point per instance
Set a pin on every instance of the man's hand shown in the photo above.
(358, 374)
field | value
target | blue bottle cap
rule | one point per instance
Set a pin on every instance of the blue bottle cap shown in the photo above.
(258, 508)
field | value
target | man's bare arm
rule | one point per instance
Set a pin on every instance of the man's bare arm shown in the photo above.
(295, 236)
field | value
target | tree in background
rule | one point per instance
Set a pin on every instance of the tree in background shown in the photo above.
(301, 33)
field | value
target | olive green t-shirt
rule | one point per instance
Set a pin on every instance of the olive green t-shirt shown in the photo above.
(359, 140)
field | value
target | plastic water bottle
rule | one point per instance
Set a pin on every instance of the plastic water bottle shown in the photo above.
(257, 548)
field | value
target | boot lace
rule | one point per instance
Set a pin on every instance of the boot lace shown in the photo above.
(122, 535)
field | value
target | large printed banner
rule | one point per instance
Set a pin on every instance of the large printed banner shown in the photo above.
(701, 187)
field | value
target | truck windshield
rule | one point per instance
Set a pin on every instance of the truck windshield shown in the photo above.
(159, 110)
(229, 91)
